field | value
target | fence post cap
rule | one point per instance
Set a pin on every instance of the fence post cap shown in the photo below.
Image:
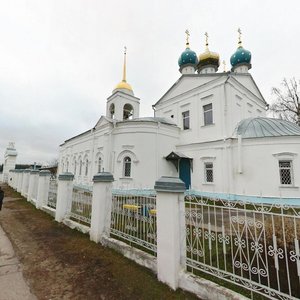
(67, 176)
(169, 184)
(103, 177)
(44, 173)
(34, 171)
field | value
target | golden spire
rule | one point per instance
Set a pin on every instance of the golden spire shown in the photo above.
(240, 37)
(124, 65)
(206, 41)
(187, 38)
(123, 84)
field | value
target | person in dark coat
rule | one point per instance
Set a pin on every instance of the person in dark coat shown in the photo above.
(1, 197)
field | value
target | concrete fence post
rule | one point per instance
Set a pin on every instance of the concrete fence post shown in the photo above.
(33, 177)
(170, 229)
(43, 188)
(20, 181)
(101, 206)
(25, 181)
(64, 195)
(16, 179)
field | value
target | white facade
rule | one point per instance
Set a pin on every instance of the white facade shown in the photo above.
(194, 134)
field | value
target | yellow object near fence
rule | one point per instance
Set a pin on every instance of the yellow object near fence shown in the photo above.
(152, 212)
(131, 207)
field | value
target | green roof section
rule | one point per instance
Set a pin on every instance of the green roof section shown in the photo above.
(266, 127)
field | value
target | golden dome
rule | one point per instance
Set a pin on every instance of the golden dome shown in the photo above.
(209, 55)
(123, 85)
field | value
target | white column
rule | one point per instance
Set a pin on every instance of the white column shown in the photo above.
(64, 195)
(32, 183)
(101, 206)
(20, 181)
(43, 188)
(170, 229)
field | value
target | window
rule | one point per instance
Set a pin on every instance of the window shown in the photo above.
(285, 172)
(80, 167)
(86, 167)
(127, 167)
(67, 166)
(209, 172)
(99, 164)
(75, 165)
(127, 112)
(112, 110)
(186, 120)
(208, 114)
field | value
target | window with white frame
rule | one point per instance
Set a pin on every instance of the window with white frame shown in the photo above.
(208, 172)
(286, 172)
(67, 166)
(99, 164)
(208, 114)
(75, 165)
(86, 167)
(186, 120)
(127, 167)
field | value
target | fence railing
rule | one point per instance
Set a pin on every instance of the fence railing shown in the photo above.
(52, 195)
(255, 246)
(133, 220)
(81, 206)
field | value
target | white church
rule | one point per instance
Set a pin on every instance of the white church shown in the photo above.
(210, 129)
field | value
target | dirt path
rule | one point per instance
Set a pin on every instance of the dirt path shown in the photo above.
(60, 263)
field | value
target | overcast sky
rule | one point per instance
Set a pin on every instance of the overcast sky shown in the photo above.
(61, 59)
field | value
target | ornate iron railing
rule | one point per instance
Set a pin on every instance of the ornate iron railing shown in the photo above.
(133, 220)
(52, 195)
(255, 246)
(81, 206)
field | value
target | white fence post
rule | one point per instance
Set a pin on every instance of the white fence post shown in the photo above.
(20, 181)
(64, 195)
(43, 188)
(25, 181)
(101, 206)
(170, 230)
(32, 182)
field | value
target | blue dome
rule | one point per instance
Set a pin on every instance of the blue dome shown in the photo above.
(240, 56)
(188, 56)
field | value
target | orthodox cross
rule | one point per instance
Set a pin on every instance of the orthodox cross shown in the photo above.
(240, 36)
(187, 36)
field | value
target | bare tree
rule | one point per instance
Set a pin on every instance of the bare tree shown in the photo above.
(287, 102)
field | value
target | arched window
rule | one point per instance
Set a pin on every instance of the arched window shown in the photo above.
(112, 110)
(99, 164)
(75, 165)
(86, 167)
(67, 166)
(80, 167)
(127, 112)
(127, 167)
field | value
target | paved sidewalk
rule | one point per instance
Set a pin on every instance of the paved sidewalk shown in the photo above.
(12, 283)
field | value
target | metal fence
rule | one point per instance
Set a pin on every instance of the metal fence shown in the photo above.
(81, 206)
(133, 220)
(52, 195)
(254, 246)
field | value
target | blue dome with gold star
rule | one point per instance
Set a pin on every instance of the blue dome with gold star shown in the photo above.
(240, 56)
(188, 57)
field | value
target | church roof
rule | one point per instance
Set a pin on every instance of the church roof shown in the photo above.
(153, 119)
(266, 127)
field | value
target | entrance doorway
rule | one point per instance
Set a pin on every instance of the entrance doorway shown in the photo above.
(185, 171)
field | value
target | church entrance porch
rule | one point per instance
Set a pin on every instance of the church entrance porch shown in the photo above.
(183, 165)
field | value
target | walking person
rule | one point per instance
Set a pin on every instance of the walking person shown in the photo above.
(1, 197)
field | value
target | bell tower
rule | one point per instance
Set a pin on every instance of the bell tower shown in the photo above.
(122, 104)
(10, 157)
